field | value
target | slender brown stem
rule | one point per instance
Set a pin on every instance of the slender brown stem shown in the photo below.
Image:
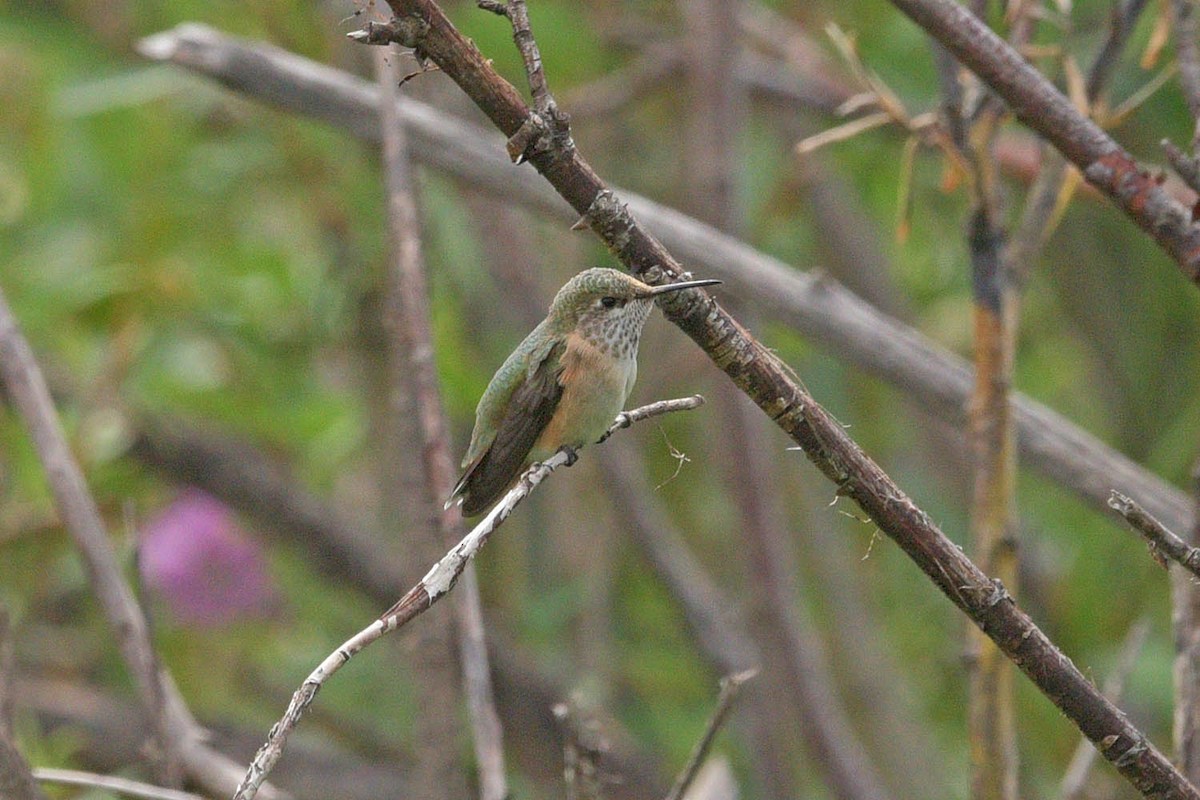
(408, 307)
(992, 721)
(730, 687)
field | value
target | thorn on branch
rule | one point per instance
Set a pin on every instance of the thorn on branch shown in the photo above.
(493, 6)
(1185, 166)
(405, 31)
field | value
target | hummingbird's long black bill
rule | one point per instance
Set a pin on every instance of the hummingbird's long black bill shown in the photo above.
(674, 287)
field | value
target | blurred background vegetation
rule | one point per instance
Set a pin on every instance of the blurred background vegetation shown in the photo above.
(173, 249)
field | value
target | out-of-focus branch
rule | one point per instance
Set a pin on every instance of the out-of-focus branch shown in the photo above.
(1038, 104)
(530, 698)
(1187, 52)
(933, 378)
(411, 351)
(1043, 202)
(7, 675)
(710, 169)
(584, 748)
(177, 733)
(717, 629)
(730, 687)
(106, 731)
(16, 779)
(1121, 23)
(120, 786)
(1185, 624)
(24, 382)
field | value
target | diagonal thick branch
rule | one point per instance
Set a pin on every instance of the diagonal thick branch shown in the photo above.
(769, 383)
(933, 378)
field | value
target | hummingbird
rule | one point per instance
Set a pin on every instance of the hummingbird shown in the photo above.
(563, 385)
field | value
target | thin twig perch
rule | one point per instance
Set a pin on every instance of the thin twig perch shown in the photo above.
(436, 584)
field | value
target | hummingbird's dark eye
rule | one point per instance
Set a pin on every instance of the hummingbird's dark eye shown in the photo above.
(608, 302)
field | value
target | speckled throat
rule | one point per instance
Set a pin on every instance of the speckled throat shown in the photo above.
(617, 334)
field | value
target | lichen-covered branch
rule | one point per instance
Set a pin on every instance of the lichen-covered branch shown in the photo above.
(436, 584)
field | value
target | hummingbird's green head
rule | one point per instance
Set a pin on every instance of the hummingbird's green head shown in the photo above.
(609, 308)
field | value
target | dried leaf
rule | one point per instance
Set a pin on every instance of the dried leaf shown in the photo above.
(841, 132)
(1076, 84)
(1159, 36)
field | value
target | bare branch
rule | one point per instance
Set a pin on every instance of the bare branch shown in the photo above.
(1038, 104)
(411, 352)
(436, 584)
(730, 686)
(1163, 543)
(547, 129)
(129, 788)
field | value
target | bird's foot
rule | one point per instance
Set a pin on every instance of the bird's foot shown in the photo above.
(570, 453)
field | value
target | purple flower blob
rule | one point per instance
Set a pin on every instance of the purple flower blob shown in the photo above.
(205, 567)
